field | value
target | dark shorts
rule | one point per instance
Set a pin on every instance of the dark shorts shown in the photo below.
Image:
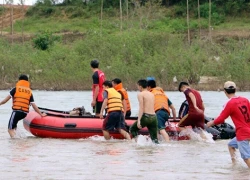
(195, 120)
(162, 117)
(149, 121)
(114, 120)
(97, 107)
(128, 113)
(15, 117)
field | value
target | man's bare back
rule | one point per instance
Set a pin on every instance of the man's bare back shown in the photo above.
(146, 102)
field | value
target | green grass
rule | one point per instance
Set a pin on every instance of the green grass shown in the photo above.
(155, 46)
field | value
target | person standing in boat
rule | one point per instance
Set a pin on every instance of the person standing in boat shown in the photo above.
(22, 99)
(161, 107)
(238, 108)
(98, 78)
(115, 118)
(117, 84)
(146, 117)
(195, 116)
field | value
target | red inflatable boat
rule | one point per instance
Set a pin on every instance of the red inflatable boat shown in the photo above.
(58, 124)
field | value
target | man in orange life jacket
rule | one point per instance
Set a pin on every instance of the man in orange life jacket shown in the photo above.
(117, 84)
(115, 117)
(161, 107)
(22, 98)
(195, 116)
(97, 88)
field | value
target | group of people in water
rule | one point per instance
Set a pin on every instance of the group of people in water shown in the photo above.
(154, 109)
(154, 106)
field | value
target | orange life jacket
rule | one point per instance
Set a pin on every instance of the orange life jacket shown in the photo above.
(114, 100)
(161, 100)
(21, 99)
(120, 88)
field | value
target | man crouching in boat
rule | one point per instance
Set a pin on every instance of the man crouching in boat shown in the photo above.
(22, 98)
(115, 117)
(195, 116)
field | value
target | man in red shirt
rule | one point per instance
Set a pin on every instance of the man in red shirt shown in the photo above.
(97, 88)
(195, 116)
(238, 108)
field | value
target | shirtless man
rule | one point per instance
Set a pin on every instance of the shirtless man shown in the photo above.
(146, 116)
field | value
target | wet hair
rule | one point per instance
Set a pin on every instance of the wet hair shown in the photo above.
(182, 84)
(107, 83)
(151, 83)
(117, 81)
(143, 83)
(94, 63)
(230, 90)
(23, 77)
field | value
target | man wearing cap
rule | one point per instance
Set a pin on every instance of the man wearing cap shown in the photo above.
(238, 108)
(195, 116)
(22, 98)
(97, 88)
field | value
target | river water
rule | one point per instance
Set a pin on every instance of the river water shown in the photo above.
(29, 157)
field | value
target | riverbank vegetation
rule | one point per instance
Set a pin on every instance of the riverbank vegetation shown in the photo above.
(140, 39)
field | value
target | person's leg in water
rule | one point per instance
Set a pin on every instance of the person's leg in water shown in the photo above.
(12, 132)
(125, 134)
(14, 118)
(106, 134)
(122, 126)
(162, 117)
(244, 149)
(134, 130)
(107, 126)
(232, 146)
(152, 126)
(164, 135)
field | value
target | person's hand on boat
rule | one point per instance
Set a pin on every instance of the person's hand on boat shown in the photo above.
(101, 116)
(210, 123)
(139, 124)
(43, 114)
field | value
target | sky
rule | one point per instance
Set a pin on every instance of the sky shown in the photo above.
(26, 2)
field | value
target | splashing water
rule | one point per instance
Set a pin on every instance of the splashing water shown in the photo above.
(98, 138)
(144, 141)
(175, 135)
(20, 134)
(197, 135)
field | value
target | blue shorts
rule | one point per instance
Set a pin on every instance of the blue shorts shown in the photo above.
(243, 147)
(162, 117)
(114, 120)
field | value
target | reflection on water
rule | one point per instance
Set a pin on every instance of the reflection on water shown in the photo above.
(29, 157)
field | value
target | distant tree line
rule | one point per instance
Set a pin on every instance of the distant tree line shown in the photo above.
(228, 7)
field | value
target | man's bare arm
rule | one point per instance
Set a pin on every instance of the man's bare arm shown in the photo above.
(5, 100)
(104, 105)
(173, 111)
(140, 99)
(124, 103)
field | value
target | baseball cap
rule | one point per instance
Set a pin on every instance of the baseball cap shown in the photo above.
(230, 85)
(150, 78)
